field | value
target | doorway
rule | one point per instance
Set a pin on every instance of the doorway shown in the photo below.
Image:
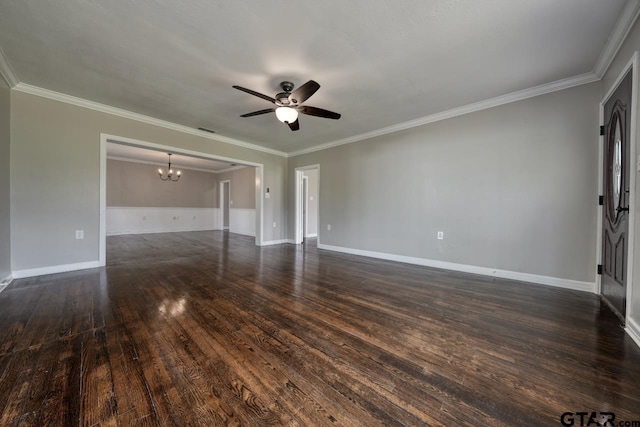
(256, 187)
(617, 198)
(307, 198)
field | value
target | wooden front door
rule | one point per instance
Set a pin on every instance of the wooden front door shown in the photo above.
(615, 218)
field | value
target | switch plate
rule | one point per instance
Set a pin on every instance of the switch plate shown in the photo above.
(311, 197)
(79, 234)
(267, 195)
(440, 235)
(329, 227)
(274, 225)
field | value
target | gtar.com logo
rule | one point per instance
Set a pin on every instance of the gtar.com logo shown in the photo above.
(584, 419)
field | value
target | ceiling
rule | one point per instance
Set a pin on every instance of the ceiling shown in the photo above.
(379, 62)
(145, 155)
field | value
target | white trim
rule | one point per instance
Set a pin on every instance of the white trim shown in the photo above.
(6, 279)
(6, 71)
(147, 162)
(102, 244)
(305, 195)
(221, 203)
(504, 274)
(297, 197)
(459, 111)
(61, 97)
(312, 235)
(617, 37)
(20, 274)
(632, 64)
(275, 242)
(633, 330)
(259, 176)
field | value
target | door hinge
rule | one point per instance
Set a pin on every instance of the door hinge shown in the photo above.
(599, 268)
(601, 130)
(600, 200)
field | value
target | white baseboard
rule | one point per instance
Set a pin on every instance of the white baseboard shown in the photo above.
(633, 329)
(312, 235)
(20, 274)
(504, 274)
(274, 242)
(6, 279)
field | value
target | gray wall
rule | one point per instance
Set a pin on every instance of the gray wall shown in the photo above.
(138, 185)
(5, 176)
(512, 187)
(55, 177)
(243, 187)
(312, 201)
(631, 44)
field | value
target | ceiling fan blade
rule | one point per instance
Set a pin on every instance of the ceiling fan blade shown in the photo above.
(319, 112)
(254, 93)
(295, 125)
(257, 113)
(304, 92)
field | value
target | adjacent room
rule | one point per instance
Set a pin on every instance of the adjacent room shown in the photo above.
(319, 213)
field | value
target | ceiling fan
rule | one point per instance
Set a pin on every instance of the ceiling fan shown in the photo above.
(288, 103)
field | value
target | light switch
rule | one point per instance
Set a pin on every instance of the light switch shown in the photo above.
(79, 234)
(311, 198)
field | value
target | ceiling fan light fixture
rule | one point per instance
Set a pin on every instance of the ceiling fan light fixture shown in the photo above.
(286, 114)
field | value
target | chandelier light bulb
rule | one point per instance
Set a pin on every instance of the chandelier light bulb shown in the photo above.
(169, 176)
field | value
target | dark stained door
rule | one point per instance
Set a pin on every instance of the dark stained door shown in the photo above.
(615, 227)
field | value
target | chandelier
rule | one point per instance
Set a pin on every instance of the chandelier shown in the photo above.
(169, 176)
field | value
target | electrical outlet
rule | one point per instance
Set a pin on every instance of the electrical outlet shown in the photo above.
(440, 235)
(230, 202)
(79, 234)
(274, 225)
(328, 227)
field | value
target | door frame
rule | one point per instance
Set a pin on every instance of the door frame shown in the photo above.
(106, 138)
(221, 203)
(633, 166)
(299, 174)
(305, 193)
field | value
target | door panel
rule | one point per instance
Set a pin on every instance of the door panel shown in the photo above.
(615, 218)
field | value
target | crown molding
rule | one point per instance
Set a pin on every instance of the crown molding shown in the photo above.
(6, 71)
(618, 35)
(80, 102)
(459, 111)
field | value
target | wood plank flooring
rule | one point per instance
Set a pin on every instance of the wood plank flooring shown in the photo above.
(201, 328)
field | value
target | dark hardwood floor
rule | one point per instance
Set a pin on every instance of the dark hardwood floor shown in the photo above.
(205, 329)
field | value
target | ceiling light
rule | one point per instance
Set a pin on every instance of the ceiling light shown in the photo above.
(169, 176)
(287, 114)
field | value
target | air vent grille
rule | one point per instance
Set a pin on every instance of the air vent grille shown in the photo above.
(207, 130)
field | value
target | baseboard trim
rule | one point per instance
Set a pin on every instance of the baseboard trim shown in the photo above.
(633, 329)
(274, 242)
(20, 274)
(503, 274)
(6, 279)
(311, 236)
